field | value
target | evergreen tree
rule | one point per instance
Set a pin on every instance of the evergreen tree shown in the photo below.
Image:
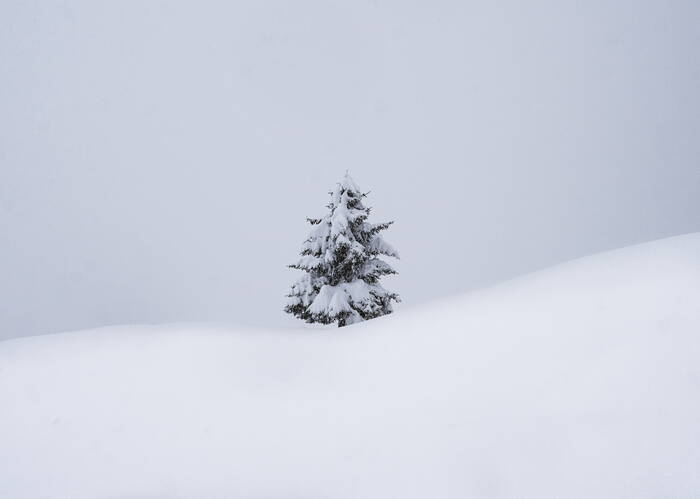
(341, 264)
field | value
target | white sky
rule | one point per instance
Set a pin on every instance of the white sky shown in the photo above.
(158, 159)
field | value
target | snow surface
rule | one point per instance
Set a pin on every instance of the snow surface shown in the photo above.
(580, 381)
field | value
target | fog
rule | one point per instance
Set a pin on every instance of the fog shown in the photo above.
(158, 159)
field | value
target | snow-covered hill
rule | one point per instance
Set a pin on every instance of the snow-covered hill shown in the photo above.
(580, 381)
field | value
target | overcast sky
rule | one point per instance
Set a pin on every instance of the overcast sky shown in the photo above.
(158, 159)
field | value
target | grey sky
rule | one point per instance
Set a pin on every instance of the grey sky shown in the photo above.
(158, 159)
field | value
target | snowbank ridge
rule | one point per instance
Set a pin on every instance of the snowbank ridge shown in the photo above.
(580, 381)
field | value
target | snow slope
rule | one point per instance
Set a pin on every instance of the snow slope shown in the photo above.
(580, 381)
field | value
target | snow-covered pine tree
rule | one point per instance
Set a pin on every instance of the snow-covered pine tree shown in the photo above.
(341, 264)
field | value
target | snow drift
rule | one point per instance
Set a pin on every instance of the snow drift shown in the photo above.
(580, 381)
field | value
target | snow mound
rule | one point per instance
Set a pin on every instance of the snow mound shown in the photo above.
(580, 381)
